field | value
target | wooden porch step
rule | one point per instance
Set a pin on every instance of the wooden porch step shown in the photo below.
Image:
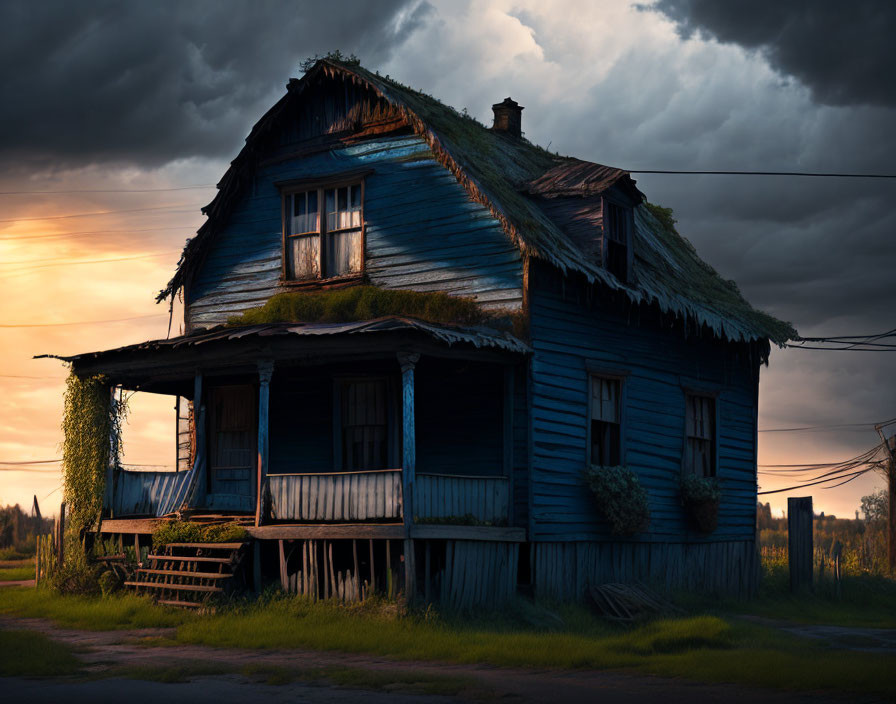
(207, 546)
(174, 587)
(181, 604)
(190, 558)
(186, 573)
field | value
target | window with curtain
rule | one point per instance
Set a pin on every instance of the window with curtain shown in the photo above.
(364, 424)
(323, 237)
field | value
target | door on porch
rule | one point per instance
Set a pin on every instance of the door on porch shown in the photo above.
(232, 447)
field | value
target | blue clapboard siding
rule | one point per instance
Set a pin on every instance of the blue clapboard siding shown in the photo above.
(486, 499)
(337, 496)
(660, 364)
(422, 232)
(142, 493)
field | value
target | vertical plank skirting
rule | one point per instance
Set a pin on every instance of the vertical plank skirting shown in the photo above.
(566, 570)
(336, 496)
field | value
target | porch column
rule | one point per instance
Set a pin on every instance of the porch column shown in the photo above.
(409, 458)
(265, 371)
(200, 477)
(508, 437)
(112, 469)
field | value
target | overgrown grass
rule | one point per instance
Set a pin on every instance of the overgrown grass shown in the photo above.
(29, 654)
(14, 574)
(89, 613)
(12, 553)
(699, 646)
(863, 599)
(190, 532)
(362, 303)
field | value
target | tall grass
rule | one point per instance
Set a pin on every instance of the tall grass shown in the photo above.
(89, 613)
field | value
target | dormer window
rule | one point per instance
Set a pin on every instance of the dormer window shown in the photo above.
(323, 231)
(617, 241)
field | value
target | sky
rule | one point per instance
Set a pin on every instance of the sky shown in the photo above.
(129, 113)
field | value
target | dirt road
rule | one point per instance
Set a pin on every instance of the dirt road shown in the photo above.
(107, 651)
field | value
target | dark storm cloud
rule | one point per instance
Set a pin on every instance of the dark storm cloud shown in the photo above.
(148, 82)
(843, 51)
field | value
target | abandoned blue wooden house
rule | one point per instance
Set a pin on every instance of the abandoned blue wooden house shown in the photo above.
(444, 460)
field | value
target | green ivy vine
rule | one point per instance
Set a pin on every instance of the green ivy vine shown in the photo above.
(91, 427)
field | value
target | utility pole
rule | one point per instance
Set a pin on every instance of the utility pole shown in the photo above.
(890, 447)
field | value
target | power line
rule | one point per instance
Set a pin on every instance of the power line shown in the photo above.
(109, 190)
(24, 376)
(817, 427)
(842, 349)
(82, 322)
(36, 267)
(57, 235)
(816, 174)
(186, 206)
(46, 261)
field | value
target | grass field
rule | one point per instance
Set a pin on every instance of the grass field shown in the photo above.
(716, 647)
(14, 574)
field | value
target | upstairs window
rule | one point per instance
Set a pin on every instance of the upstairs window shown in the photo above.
(606, 422)
(618, 227)
(700, 440)
(323, 232)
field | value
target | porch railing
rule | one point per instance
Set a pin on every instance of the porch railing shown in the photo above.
(336, 496)
(452, 496)
(145, 493)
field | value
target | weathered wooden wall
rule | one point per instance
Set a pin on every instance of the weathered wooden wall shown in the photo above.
(565, 570)
(569, 334)
(486, 499)
(422, 233)
(337, 496)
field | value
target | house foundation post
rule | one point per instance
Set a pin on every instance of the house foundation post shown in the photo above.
(409, 457)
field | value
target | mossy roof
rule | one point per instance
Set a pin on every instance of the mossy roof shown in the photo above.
(507, 175)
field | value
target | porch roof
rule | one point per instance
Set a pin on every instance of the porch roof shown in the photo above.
(233, 346)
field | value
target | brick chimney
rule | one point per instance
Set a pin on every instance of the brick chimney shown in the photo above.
(508, 117)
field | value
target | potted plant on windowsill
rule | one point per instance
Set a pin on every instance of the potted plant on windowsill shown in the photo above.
(700, 497)
(620, 498)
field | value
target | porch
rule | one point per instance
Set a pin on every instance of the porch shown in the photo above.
(413, 427)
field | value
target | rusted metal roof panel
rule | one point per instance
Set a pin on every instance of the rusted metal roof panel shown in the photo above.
(479, 337)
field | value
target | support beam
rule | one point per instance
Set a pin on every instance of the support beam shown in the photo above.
(284, 577)
(508, 438)
(265, 371)
(201, 479)
(408, 465)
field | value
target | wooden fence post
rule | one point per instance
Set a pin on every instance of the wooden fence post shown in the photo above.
(37, 558)
(799, 542)
(60, 538)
